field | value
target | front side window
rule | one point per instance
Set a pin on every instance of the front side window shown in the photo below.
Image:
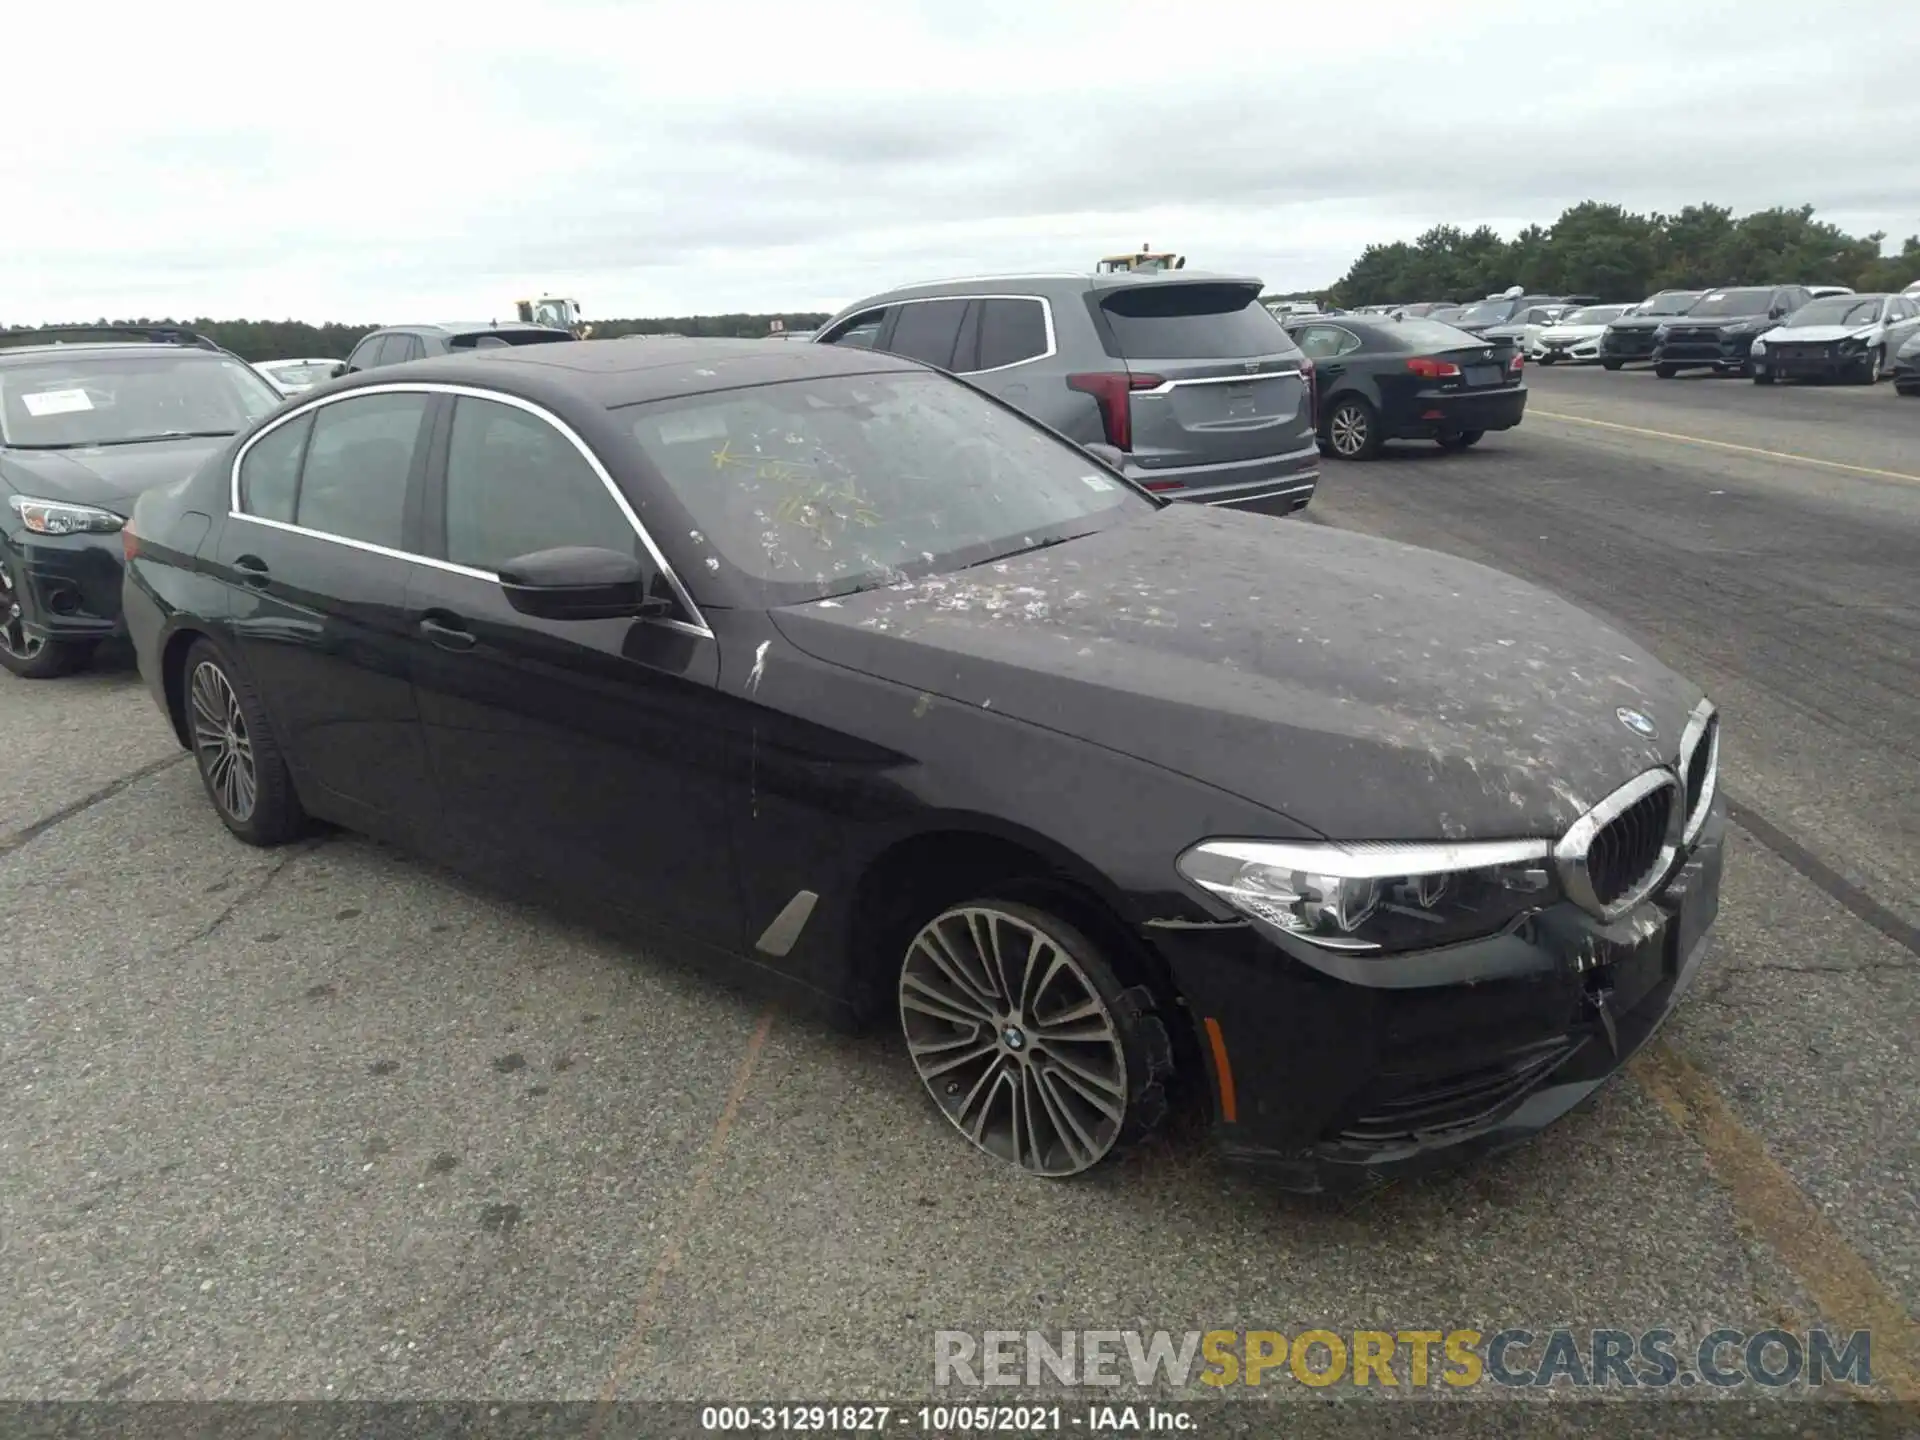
(73, 402)
(270, 475)
(516, 485)
(860, 332)
(818, 487)
(354, 483)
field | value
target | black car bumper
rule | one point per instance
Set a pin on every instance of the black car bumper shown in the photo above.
(1810, 364)
(70, 584)
(1627, 346)
(1726, 354)
(1329, 1085)
(1444, 412)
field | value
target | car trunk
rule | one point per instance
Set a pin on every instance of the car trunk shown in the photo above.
(1211, 377)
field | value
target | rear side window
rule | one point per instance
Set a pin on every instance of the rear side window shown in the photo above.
(927, 331)
(860, 332)
(354, 483)
(1192, 322)
(516, 485)
(495, 339)
(270, 475)
(1011, 331)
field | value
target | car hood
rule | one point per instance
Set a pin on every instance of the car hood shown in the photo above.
(1815, 334)
(109, 476)
(1716, 322)
(1643, 322)
(1572, 332)
(1363, 688)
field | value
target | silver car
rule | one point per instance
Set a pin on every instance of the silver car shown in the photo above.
(1181, 380)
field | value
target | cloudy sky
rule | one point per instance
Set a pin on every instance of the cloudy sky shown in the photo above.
(417, 160)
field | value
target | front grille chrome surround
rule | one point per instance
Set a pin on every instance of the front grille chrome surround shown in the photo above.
(1700, 768)
(1635, 831)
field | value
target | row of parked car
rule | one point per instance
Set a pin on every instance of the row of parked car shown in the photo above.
(1765, 332)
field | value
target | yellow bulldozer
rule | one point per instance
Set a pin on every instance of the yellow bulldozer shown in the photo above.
(1146, 258)
(551, 310)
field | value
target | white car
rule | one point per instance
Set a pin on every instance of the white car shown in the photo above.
(1837, 337)
(1913, 289)
(1575, 336)
(1820, 292)
(290, 377)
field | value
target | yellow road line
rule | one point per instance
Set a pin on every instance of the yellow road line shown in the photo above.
(1786, 455)
(689, 1210)
(1849, 1294)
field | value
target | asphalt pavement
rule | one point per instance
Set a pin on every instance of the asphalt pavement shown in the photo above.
(328, 1123)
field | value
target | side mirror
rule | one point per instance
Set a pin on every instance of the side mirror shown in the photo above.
(338, 370)
(579, 582)
(1107, 455)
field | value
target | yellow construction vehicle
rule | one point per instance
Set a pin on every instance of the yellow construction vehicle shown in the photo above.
(1146, 259)
(551, 310)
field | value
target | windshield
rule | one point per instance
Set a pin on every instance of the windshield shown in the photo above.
(819, 487)
(70, 401)
(1733, 302)
(1677, 303)
(305, 373)
(1594, 315)
(1487, 312)
(1838, 310)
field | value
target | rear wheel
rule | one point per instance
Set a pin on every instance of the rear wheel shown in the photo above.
(1461, 440)
(1027, 1040)
(1666, 372)
(1353, 429)
(240, 763)
(25, 650)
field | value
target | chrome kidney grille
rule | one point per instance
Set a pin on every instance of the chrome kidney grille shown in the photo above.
(1623, 849)
(1616, 854)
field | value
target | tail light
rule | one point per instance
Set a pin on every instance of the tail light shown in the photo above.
(1518, 361)
(129, 542)
(1312, 378)
(1427, 368)
(1112, 392)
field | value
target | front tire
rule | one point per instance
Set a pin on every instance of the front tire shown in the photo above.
(1353, 429)
(24, 652)
(1611, 364)
(1666, 372)
(1027, 1039)
(1876, 369)
(240, 762)
(1762, 377)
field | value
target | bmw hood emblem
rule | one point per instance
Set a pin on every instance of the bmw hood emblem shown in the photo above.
(1638, 721)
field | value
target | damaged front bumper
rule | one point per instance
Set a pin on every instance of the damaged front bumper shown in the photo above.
(1328, 1085)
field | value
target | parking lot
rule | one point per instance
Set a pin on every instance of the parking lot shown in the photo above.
(326, 1123)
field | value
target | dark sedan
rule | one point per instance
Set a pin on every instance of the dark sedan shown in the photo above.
(1631, 338)
(1906, 368)
(89, 418)
(1380, 379)
(821, 666)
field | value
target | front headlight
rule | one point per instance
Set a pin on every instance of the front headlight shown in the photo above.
(1853, 344)
(1759, 347)
(1376, 896)
(57, 517)
(1660, 331)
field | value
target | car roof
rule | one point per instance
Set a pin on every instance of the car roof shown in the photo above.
(464, 327)
(92, 348)
(607, 375)
(1042, 280)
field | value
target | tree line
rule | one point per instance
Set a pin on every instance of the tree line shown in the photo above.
(1605, 250)
(291, 339)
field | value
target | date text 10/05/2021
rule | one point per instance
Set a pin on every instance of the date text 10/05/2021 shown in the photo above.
(947, 1419)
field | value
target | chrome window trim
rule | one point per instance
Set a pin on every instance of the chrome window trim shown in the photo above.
(1697, 722)
(1245, 377)
(235, 511)
(1570, 853)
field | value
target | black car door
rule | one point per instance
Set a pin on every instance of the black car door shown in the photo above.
(315, 559)
(576, 757)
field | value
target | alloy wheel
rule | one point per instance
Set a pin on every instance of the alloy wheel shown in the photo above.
(221, 741)
(1013, 1040)
(15, 638)
(1348, 430)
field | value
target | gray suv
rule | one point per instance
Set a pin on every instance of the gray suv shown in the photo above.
(397, 344)
(1187, 377)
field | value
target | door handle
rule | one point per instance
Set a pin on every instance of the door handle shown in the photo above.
(253, 572)
(447, 637)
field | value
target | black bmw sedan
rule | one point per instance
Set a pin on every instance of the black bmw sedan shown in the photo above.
(1379, 379)
(821, 666)
(89, 418)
